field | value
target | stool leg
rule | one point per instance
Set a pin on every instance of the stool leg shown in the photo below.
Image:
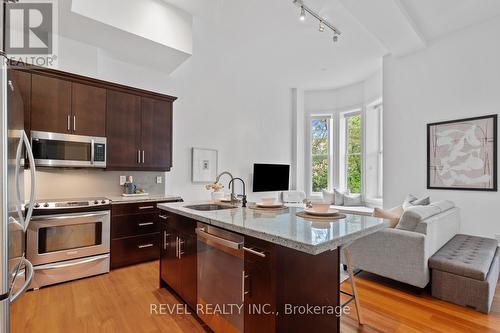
(350, 272)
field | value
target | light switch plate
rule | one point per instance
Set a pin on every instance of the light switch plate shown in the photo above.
(122, 180)
(159, 179)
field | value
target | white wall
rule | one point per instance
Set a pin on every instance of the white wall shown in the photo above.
(456, 77)
(227, 101)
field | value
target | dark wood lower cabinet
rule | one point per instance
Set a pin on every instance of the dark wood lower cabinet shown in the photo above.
(178, 265)
(135, 233)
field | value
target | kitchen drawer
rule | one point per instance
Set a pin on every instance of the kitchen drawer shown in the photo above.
(132, 250)
(137, 208)
(134, 225)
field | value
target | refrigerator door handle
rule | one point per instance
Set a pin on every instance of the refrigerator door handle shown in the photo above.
(20, 200)
(28, 267)
(33, 181)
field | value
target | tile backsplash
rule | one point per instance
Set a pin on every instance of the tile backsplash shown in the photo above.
(74, 183)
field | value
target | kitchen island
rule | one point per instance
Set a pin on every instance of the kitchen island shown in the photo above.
(265, 271)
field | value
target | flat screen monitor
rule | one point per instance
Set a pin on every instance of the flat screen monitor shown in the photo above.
(271, 177)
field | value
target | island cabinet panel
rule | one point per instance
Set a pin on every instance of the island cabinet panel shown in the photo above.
(123, 130)
(156, 133)
(178, 264)
(307, 280)
(260, 286)
(135, 233)
(88, 106)
(50, 104)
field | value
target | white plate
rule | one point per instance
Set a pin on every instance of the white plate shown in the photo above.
(135, 195)
(330, 212)
(272, 205)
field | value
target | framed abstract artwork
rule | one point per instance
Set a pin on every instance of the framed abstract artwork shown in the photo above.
(462, 154)
(204, 165)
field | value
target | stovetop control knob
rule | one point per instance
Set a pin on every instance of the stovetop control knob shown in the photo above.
(46, 205)
(103, 202)
(37, 205)
(96, 202)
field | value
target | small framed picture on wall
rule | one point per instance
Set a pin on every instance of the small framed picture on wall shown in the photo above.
(462, 154)
(204, 165)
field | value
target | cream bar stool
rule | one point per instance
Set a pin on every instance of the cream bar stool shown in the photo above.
(344, 250)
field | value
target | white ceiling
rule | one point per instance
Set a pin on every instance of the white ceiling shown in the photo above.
(268, 35)
(436, 18)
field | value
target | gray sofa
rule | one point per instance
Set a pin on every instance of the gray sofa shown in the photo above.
(402, 253)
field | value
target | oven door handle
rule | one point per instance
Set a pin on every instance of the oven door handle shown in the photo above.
(66, 217)
(225, 242)
(74, 263)
(92, 152)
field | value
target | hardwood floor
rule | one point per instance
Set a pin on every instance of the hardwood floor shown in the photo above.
(120, 302)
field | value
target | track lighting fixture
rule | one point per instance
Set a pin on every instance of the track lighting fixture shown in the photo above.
(322, 22)
(302, 16)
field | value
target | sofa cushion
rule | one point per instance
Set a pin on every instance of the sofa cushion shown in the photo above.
(465, 255)
(329, 197)
(392, 215)
(413, 215)
(339, 197)
(412, 200)
(353, 200)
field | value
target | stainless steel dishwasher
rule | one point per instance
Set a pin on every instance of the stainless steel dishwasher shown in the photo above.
(220, 278)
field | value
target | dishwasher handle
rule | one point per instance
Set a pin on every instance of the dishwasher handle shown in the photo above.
(201, 232)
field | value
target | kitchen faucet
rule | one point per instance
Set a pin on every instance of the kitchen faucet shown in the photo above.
(244, 196)
(233, 195)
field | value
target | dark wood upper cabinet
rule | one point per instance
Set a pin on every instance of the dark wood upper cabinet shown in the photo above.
(88, 110)
(156, 138)
(123, 130)
(50, 104)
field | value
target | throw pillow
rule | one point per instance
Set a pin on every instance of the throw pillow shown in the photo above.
(339, 197)
(329, 197)
(392, 215)
(352, 200)
(412, 200)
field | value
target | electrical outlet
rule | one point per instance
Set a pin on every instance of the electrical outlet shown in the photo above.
(122, 180)
(159, 179)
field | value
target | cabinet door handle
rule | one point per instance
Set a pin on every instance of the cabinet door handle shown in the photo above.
(74, 123)
(244, 276)
(147, 207)
(145, 246)
(139, 156)
(143, 157)
(69, 123)
(165, 240)
(145, 224)
(252, 251)
(163, 217)
(180, 248)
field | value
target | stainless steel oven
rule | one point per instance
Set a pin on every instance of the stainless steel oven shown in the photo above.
(70, 240)
(66, 150)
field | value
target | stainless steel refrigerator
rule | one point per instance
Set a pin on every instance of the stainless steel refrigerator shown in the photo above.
(16, 272)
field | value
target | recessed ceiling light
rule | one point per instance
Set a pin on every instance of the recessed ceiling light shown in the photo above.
(321, 26)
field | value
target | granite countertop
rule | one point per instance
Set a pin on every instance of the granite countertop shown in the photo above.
(284, 227)
(149, 198)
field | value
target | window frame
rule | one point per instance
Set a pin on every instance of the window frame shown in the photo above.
(330, 148)
(346, 116)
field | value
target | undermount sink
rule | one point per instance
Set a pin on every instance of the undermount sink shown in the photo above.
(209, 207)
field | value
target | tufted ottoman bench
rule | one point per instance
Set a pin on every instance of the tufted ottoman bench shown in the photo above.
(465, 272)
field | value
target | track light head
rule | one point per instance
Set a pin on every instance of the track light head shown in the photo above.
(302, 16)
(321, 26)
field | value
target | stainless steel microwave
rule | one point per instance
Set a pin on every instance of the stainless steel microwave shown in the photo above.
(68, 151)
